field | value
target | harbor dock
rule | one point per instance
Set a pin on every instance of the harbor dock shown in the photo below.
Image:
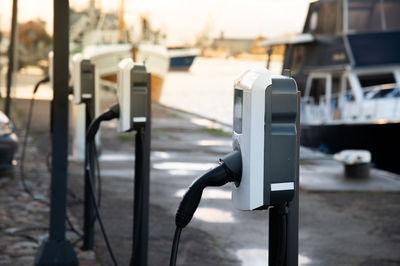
(351, 223)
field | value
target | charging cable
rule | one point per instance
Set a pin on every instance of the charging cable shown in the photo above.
(110, 114)
(280, 234)
(25, 143)
(23, 152)
(228, 170)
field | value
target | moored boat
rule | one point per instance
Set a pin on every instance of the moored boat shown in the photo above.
(347, 66)
(181, 58)
(96, 35)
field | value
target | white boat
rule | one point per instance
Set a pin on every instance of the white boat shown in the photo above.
(181, 58)
(100, 40)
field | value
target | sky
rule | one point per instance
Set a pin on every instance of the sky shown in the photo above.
(183, 20)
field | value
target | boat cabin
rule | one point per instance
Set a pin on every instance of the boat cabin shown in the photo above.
(354, 96)
(346, 61)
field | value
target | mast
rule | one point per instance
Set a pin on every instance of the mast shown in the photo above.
(121, 20)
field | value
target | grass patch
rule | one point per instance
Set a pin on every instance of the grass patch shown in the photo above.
(306, 162)
(126, 137)
(218, 132)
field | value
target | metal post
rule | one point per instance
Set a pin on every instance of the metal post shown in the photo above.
(288, 57)
(88, 212)
(11, 53)
(269, 52)
(284, 221)
(57, 250)
(142, 189)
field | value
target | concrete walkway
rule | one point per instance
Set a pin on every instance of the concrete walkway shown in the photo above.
(336, 227)
(357, 228)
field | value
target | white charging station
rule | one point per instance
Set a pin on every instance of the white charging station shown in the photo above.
(264, 131)
(76, 75)
(133, 87)
(83, 79)
(50, 69)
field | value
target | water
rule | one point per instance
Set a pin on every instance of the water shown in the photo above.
(207, 89)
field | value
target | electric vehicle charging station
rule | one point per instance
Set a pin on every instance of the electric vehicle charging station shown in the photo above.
(133, 102)
(264, 164)
(134, 97)
(134, 113)
(265, 131)
(84, 98)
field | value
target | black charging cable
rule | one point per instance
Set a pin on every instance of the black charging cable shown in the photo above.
(110, 114)
(282, 211)
(228, 170)
(23, 152)
(25, 143)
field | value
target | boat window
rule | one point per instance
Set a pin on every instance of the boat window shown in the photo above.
(298, 53)
(379, 85)
(349, 95)
(313, 21)
(365, 15)
(317, 91)
(327, 19)
(376, 79)
(392, 11)
(335, 85)
(373, 15)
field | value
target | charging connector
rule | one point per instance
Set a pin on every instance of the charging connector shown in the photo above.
(228, 170)
(110, 114)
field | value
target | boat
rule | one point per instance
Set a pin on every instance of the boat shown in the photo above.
(181, 58)
(98, 37)
(346, 63)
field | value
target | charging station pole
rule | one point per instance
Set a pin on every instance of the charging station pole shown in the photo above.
(87, 85)
(57, 250)
(142, 188)
(11, 56)
(283, 245)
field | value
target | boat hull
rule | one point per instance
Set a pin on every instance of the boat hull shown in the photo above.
(382, 140)
(182, 63)
(156, 85)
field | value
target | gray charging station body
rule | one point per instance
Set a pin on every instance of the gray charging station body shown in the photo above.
(87, 79)
(83, 74)
(133, 90)
(265, 132)
(280, 146)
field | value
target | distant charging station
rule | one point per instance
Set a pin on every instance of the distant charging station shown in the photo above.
(84, 97)
(83, 72)
(134, 100)
(134, 97)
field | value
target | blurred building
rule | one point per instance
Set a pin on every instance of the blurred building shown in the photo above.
(233, 46)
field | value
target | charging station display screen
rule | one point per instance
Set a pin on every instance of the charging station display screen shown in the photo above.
(238, 111)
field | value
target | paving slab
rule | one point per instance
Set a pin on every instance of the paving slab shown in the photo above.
(328, 176)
